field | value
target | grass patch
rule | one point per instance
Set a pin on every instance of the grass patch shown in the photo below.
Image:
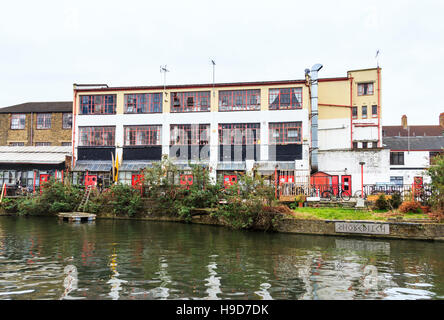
(349, 214)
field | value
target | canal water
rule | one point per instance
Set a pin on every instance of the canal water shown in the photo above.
(42, 258)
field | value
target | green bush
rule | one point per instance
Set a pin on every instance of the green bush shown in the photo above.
(381, 203)
(395, 200)
(119, 199)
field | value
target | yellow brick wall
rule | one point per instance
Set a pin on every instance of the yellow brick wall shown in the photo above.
(56, 135)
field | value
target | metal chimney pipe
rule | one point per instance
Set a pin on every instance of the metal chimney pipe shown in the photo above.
(314, 116)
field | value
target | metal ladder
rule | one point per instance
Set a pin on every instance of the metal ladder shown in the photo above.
(84, 199)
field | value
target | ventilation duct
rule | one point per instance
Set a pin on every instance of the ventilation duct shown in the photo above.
(314, 116)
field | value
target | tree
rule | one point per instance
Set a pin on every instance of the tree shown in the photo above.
(436, 173)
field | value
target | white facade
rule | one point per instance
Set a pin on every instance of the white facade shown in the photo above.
(346, 162)
(263, 117)
(415, 164)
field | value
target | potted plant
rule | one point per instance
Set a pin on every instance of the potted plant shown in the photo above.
(300, 199)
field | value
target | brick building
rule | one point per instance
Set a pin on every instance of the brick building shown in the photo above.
(36, 124)
(35, 143)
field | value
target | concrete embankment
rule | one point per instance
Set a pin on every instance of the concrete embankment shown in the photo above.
(345, 228)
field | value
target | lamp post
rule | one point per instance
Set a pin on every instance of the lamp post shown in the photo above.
(362, 178)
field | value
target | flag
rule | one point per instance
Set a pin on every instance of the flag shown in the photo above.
(113, 164)
(117, 167)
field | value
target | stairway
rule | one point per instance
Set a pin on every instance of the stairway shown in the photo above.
(84, 199)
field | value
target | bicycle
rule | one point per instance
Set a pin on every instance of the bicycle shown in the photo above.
(330, 194)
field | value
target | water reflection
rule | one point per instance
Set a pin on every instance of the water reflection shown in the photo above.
(70, 282)
(213, 282)
(148, 260)
(115, 282)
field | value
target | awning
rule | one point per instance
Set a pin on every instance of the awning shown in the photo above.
(35, 155)
(100, 166)
(231, 166)
(271, 166)
(135, 165)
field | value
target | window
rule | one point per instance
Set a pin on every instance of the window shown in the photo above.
(16, 144)
(7, 177)
(285, 98)
(96, 136)
(355, 145)
(355, 112)
(364, 112)
(189, 134)
(285, 132)
(66, 144)
(190, 101)
(374, 111)
(364, 145)
(42, 144)
(98, 104)
(239, 133)
(143, 135)
(143, 103)
(18, 121)
(365, 89)
(239, 100)
(397, 180)
(67, 121)
(397, 158)
(43, 121)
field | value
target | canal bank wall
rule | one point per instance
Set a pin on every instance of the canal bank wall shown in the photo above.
(344, 228)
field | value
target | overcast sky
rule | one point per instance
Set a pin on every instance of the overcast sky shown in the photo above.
(46, 46)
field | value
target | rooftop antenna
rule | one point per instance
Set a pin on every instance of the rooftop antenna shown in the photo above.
(376, 57)
(214, 70)
(164, 70)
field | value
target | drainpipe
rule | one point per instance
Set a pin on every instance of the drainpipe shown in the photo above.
(314, 116)
(74, 109)
(32, 118)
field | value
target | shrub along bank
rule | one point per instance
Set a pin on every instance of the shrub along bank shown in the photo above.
(249, 204)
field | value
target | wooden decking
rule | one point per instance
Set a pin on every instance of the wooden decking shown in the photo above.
(76, 216)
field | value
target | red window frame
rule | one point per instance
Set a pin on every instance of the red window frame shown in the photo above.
(67, 121)
(150, 135)
(283, 129)
(240, 100)
(189, 134)
(43, 121)
(239, 133)
(374, 115)
(97, 136)
(278, 100)
(361, 91)
(364, 114)
(355, 112)
(193, 101)
(18, 121)
(98, 104)
(143, 103)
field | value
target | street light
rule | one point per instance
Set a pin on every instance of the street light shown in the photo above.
(362, 178)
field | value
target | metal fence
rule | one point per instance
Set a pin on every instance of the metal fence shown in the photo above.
(288, 191)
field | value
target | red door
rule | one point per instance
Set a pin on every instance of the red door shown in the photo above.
(229, 180)
(43, 178)
(346, 185)
(186, 180)
(91, 180)
(335, 184)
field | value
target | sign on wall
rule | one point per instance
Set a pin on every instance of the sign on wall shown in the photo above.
(363, 228)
